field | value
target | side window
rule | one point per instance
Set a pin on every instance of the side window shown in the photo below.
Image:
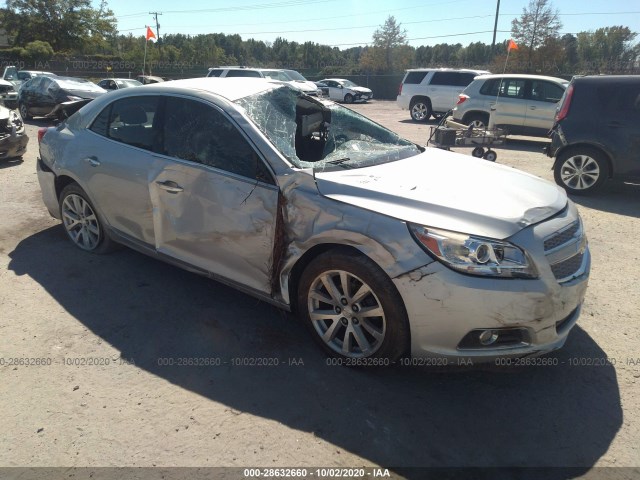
(415, 78)
(243, 73)
(490, 87)
(130, 121)
(215, 72)
(464, 79)
(101, 123)
(621, 98)
(542, 91)
(199, 133)
(23, 76)
(444, 78)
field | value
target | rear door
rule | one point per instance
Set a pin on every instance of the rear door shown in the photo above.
(509, 102)
(620, 125)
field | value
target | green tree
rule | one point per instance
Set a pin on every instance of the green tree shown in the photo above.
(388, 41)
(38, 49)
(65, 24)
(538, 22)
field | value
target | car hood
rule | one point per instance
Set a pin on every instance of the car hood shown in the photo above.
(448, 191)
(360, 89)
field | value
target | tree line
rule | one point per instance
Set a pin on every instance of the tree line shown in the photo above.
(71, 29)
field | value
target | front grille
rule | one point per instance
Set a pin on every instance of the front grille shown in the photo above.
(567, 267)
(565, 250)
(563, 236)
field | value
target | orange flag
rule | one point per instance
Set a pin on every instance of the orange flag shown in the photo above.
(512, 46)
(150, 35)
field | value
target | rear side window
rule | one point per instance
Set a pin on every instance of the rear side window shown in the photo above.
(216, 72)
(130, 121)
(620, 98)
(444, 78)
(507, 87)
(243, 73)
(415, 77)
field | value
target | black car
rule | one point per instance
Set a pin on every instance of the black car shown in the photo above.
(596, 133)
(41, 96)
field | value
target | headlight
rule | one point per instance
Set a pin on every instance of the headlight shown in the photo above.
(475, 255)
(73, 98)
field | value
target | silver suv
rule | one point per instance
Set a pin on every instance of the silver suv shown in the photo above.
(433, 91)
(290, 77)
(524, 104)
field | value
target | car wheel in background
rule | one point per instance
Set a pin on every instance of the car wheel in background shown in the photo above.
(24, 112)
(581, 170)
(477, 120)
(81, 221)
(420, 109)
(348, 98)
(352, 307)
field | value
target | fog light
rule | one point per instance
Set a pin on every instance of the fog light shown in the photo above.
(488, 337)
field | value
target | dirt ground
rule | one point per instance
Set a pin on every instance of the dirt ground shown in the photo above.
(96, 361)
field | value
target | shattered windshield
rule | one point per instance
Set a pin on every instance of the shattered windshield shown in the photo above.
(322, 135)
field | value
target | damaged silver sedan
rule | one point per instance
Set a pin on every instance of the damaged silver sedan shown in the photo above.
(381, 247)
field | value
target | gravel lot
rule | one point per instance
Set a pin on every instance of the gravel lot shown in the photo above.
(104, 328)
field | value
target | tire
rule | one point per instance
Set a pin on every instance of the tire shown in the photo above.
(490, 155)
(477, 120)
(420, 110)
(24, 112)
(581, 170)
(348, 98)
(478, 152)
(81, 222)
(341, 328)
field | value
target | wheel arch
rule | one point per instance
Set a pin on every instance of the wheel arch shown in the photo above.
(576, 146)
(465, 117)
(417, 98)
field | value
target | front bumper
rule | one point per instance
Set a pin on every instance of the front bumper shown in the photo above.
(446, 308)
(13, 145)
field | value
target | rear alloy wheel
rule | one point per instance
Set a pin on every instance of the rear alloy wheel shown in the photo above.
(348, 98)
(24, 112)
(420, 110)
(352, 308)
(477, 120)
(81, 221)
(581, 171)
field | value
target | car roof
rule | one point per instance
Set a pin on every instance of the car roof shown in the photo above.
(522, 75)
(463, 70)
(223, 87)
(608, 78)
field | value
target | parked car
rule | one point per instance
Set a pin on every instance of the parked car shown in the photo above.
(522, 104)
(18, 77)
(148, 79)
(118, 83)
(13, 138)
(379, 245)
(8, 94)
(341, 90)
(41, 96)
(433, 91)
(596, 132)
(323, 87)
(275, 74)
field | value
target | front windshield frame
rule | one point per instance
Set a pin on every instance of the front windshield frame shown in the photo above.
(320, 134)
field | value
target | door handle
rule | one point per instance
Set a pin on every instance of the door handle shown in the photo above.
(169, 186)
(93, 161)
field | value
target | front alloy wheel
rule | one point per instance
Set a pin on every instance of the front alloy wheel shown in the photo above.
(347, 314)
(581, 172)
(352, 307)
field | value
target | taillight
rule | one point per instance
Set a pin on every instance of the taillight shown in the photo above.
(462, 98)
(41, 133)
(400, 89)
(566, 103)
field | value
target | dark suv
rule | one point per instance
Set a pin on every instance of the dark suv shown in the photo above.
(596, 134)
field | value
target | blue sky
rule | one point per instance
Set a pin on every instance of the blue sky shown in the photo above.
(346, 23)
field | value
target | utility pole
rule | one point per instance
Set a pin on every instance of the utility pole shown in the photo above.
(495, 27)
(155, 15)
